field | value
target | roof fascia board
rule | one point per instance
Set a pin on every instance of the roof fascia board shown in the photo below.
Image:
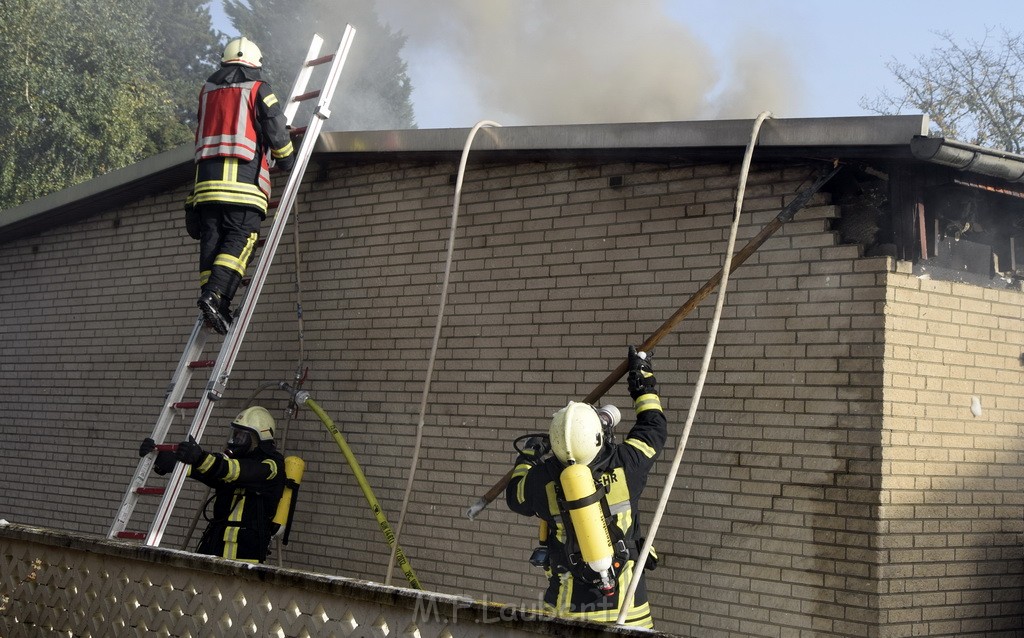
(868, 131)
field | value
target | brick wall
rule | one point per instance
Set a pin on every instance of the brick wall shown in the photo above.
(773, 526)
(951, 489)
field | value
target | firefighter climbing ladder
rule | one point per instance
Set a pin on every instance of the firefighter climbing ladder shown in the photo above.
(221, 366)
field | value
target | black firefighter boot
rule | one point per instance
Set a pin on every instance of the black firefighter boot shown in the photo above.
(213, 306)
(230, 287)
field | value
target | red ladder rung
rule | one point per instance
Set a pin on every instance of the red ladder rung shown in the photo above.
(166, 447)
(321, 60)
(298, 131)
(150, 490)
(307, 96)
(132, 535)
(185, 405)
(204, 363)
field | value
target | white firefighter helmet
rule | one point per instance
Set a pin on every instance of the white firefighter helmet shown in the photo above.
(576, 434)
(256, 420)
(242, 51)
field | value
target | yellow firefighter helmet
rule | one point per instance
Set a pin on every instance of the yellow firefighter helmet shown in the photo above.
(242, 51)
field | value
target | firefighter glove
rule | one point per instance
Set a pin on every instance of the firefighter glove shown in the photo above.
(285, 163)
(147, 446)
(190, 452)
(640, 379)
(164, 462)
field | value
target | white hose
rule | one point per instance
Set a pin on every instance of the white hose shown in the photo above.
(437, 339)
(641, 560)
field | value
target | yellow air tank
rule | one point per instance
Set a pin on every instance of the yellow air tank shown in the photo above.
(588, 522)
(294, 468)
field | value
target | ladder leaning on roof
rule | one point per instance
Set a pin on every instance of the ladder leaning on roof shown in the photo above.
(221, 366)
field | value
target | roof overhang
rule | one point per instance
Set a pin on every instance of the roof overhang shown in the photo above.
(871, 137)
(847, 137)
(154, 174)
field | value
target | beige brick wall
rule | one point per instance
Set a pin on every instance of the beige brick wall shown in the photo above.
(773, 527)
(951, 488)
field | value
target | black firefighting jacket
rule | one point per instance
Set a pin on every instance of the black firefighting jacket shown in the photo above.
(247, 491)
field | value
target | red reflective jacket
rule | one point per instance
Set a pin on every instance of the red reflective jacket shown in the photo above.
(226, 127)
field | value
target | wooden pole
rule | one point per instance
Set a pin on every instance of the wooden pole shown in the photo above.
(738, 259)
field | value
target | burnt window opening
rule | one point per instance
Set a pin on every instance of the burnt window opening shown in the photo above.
(862, 194)
(953, 225)
(974, 228)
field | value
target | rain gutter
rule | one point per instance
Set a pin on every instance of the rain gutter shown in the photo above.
(968, 157)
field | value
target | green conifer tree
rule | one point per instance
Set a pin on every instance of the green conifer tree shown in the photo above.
(374, 92)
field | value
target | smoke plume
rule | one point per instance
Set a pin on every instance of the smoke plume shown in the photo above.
(530, 62)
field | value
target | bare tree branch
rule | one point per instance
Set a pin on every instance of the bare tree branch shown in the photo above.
(971, 90)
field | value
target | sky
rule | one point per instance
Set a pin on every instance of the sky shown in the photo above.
(525, 62)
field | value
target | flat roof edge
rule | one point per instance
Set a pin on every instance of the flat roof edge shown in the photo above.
(716, 138)
(861, 131)
(119, 180)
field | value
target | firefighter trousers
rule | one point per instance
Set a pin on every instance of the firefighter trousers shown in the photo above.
(228, 235)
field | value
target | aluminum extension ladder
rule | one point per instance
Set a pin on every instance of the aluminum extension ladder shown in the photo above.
(221, 366)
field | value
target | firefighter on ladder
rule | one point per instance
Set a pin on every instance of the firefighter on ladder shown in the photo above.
(241, 133)
(586, 495)
(248, 479)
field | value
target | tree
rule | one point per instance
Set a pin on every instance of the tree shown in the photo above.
(374, 92)
(188, 50)
(89, 86)
(972, 91)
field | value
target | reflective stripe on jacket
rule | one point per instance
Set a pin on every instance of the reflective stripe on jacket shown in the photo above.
(226, 180)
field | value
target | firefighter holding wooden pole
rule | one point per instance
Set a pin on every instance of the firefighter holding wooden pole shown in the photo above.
(586, 494)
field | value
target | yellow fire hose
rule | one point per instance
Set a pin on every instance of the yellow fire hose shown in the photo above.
(303, 397)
